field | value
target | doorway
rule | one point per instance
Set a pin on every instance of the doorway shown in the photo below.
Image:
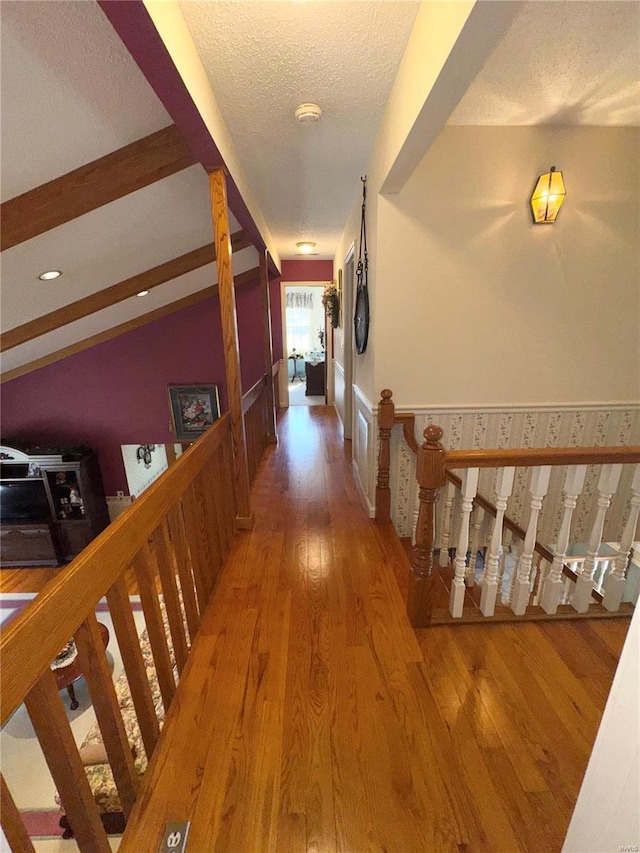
(305, 341)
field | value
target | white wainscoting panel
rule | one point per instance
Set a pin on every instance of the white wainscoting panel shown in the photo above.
(544, 426)
(365, 446)
(338, 390)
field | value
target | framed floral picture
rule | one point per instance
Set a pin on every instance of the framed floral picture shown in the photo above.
(193, 409)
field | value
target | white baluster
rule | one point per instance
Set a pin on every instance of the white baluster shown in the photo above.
(478, 518)
(545, 568)
(614, 584)
(607, 484)
(573, 485)
(504, 487)
(522, 587)
(445, 535)
(469, 489)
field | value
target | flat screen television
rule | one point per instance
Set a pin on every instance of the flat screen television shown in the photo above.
(23, 502)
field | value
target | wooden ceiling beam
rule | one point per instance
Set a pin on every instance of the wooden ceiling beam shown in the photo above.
(97, 183)
(240, 280)
(146, 280)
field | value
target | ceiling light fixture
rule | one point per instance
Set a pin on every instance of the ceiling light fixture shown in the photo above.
(308, 113)
(49, 275)
(143, 293)
(306, 247)
(547, 197)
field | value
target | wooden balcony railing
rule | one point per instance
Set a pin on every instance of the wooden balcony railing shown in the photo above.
(527, 584)
(174, 538)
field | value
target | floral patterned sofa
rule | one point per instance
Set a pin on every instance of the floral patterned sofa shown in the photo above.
(98, 772)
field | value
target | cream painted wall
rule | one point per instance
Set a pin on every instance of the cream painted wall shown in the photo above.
(171, 25)
(476, 305)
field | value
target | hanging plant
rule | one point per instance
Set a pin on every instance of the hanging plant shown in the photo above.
(331, 302)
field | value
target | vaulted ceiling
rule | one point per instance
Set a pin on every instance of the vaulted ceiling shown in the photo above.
(106, 140)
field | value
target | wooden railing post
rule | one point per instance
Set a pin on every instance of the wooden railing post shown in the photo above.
(272, 436)
(226, 293)
(386, 414)
(14, 829)
(430, 472)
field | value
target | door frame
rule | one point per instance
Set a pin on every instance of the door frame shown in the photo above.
(328, 342)
(348, 297)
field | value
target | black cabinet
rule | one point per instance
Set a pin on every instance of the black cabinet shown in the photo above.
(315, 379)
(51, 509)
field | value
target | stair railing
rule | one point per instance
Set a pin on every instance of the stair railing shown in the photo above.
(174, 538)
(539, 575)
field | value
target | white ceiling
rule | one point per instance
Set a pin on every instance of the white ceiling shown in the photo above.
(564, 63)
(114, 242)
(265, 58)
(70, 91)
(122, 312)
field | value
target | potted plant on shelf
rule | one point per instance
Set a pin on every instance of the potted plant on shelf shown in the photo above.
(331, 302)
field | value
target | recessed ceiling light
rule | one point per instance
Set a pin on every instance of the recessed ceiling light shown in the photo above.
(142, 293)
(308, 113)
(50, 274)
(306, 247)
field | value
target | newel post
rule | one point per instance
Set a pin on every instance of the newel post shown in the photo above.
(386, 415)
(430, 472)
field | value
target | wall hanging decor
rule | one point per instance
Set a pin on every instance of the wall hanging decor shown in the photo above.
(193, 409)
(144, 453)
(331, 302)
(361, 316)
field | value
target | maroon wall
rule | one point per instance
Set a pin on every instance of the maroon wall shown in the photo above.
(116, 392)
(250, 334)
(307, 270)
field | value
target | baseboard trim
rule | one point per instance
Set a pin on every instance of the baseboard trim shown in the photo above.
(368, 506)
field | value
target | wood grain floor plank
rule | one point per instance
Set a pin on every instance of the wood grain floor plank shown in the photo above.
(311, 717)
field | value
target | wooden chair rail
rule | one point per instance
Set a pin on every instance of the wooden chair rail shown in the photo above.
(539, 456)
(32, 639)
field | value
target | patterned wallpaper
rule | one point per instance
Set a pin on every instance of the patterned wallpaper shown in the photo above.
(519, 428)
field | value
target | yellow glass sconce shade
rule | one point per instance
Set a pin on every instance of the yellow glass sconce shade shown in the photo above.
(547, 197)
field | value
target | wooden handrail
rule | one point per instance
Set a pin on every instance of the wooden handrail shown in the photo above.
(252, 394)
(435, 466)
(33, 639)
(539, 456)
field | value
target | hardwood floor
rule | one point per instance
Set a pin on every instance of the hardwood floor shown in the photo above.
(312, 718)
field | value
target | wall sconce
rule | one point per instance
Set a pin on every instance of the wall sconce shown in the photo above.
(547, 197)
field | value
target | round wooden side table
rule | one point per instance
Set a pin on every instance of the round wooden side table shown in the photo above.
(66, 676)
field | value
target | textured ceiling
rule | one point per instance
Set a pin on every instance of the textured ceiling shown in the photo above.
(113, 242)
(565, 63)
(122, 312)
(70, 91)
(265, 58)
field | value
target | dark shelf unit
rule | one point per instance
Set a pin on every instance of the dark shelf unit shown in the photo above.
(75, 511)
